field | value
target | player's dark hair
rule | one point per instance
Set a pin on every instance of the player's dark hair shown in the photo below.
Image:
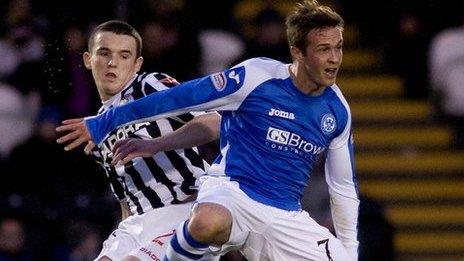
(117, 27)
(306, 16)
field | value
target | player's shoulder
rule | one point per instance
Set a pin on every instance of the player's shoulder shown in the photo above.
(265, 66)
(338, 100)
(339, 105)
(263, 63)
(337, 90)
(147, 83)
(156, 78)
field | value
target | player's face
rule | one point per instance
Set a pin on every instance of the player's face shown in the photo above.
(113, 61)
(322, 57)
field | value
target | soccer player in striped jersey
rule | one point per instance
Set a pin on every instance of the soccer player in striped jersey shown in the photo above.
(155, 192)
(277, 119)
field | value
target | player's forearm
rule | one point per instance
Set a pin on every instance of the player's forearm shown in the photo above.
(200, 130)
(345, 218)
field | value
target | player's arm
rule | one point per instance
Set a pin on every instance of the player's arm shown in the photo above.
(344, 200)
(216, 92)
(198, 131)
(221, 91)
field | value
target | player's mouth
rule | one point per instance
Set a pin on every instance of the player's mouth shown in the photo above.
(110, 76)
(331, 72)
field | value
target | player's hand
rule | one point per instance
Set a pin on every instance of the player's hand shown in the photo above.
(89, 147)
(128, 149)
(76, 133)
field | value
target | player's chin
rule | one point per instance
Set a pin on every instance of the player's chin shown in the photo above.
(114, 86)
(328, 82)
(331, 79)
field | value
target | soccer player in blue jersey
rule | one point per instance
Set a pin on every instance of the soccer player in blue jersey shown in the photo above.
(277, 118)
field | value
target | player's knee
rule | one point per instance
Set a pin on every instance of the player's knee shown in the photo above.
(105, 258)
(210, 223)
(130, 258)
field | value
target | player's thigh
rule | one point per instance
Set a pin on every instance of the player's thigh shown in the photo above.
(296, 236)
(221, 191)
(163, 220)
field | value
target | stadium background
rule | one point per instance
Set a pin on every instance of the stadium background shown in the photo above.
(58, 206)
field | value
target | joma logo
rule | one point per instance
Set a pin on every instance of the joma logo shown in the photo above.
(282, 114)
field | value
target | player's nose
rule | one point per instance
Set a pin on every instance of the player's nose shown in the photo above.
(113, 61)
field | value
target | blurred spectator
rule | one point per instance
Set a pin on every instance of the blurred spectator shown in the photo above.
(402, 30)
(172, 47)
(446, 63)
(220, 17)
(221, 45)
(47, 186)
(81, 242)
(17, 115)
(376, 26)
(10, 59)
(62, 13)
(83, 96)
(219, 49)
(23, 39)
(46, 178)
(407, 55)
(25, 29)
(375, 232)
(68, 83)
(170, 35)
(12, 241)
(268, 38)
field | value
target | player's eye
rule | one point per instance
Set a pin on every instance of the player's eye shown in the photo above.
(125, 55)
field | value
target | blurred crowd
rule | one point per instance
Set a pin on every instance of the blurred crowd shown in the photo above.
(58, 206)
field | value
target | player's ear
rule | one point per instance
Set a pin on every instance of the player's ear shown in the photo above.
(86, 58)
(138, 64)
(296, 53)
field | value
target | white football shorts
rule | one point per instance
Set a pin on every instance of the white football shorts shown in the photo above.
(263, 232)
(138, 230)
(156, 249)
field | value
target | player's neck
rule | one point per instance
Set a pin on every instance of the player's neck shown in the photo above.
(302, 81)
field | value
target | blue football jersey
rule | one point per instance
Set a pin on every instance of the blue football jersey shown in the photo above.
(271, 132)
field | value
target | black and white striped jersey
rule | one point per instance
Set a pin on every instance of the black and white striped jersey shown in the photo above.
(152, 182)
